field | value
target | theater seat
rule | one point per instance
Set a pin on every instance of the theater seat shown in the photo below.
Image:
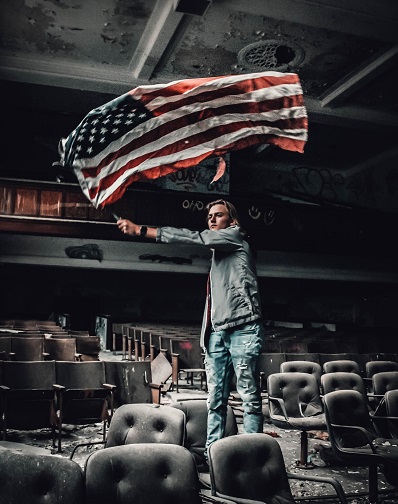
(143, 423)
(32, 479)
(146, 423)
(250, 468)
(295, 403)
(145, 473)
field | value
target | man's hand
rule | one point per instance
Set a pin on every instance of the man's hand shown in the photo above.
(128, 227)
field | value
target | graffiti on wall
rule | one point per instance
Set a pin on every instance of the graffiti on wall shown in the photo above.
(198, 178)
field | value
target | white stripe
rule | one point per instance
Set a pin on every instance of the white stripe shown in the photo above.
(204, 148)
(258, 95)
(181, 133)
(156, 122)
(226, 80)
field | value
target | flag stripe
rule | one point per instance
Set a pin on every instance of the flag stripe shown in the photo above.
(160, 128)
(198, 150)
(182, 125)
(180, 89)
(152, 153)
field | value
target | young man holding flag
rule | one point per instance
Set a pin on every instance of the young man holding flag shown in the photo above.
(232, 331)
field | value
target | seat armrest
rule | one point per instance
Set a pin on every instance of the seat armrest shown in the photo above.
(155, 392)
(319, 479)
(84, 444)
(281, 404)
(366, 433)
(371, 395)
(109, 386)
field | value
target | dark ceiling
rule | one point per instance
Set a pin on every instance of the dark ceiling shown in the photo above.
(60, 59)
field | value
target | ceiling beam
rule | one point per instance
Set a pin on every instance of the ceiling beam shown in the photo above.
(360, 77)
(159, 32)
(351, 116)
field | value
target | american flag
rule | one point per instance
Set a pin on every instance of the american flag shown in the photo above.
(157, 129)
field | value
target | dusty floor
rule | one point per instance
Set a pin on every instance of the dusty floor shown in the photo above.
(353, 479)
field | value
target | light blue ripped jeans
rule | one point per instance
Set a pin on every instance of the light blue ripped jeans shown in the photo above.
(236, 349)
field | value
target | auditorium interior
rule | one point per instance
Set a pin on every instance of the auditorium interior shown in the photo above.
(323, 222)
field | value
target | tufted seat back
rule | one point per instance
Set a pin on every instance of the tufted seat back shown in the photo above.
(36, 479)
(147, 473)
(342, 380)
(249, 466)
(378, 366)
(146, 423)
(299, 393)
(346, 365)
(299, 366)
(383, 381)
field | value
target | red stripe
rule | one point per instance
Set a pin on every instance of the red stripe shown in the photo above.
(189, 119)
(198, 139)
(145, 94)
(182, 87)
(154, 173)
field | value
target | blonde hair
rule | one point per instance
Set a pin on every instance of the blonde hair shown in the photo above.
(233, 213)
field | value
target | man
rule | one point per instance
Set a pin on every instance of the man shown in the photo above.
(232, 331)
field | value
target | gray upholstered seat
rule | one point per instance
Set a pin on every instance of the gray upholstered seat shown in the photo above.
(251, 467)
(147, 473)
(295, 403)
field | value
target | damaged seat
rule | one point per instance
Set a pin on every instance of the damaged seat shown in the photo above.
(27, 396)
(82, 395)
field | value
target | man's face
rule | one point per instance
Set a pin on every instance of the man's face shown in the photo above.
(218, 217)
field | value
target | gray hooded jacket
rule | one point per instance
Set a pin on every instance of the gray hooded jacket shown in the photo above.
(234, 292)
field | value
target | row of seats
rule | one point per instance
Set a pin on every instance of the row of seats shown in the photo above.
(178, 343)
(294, 393)
(271, 362)
(249, 466)
(38, 347)
(243, 468)
(371, 367)
(298, 397)
(48, 394)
